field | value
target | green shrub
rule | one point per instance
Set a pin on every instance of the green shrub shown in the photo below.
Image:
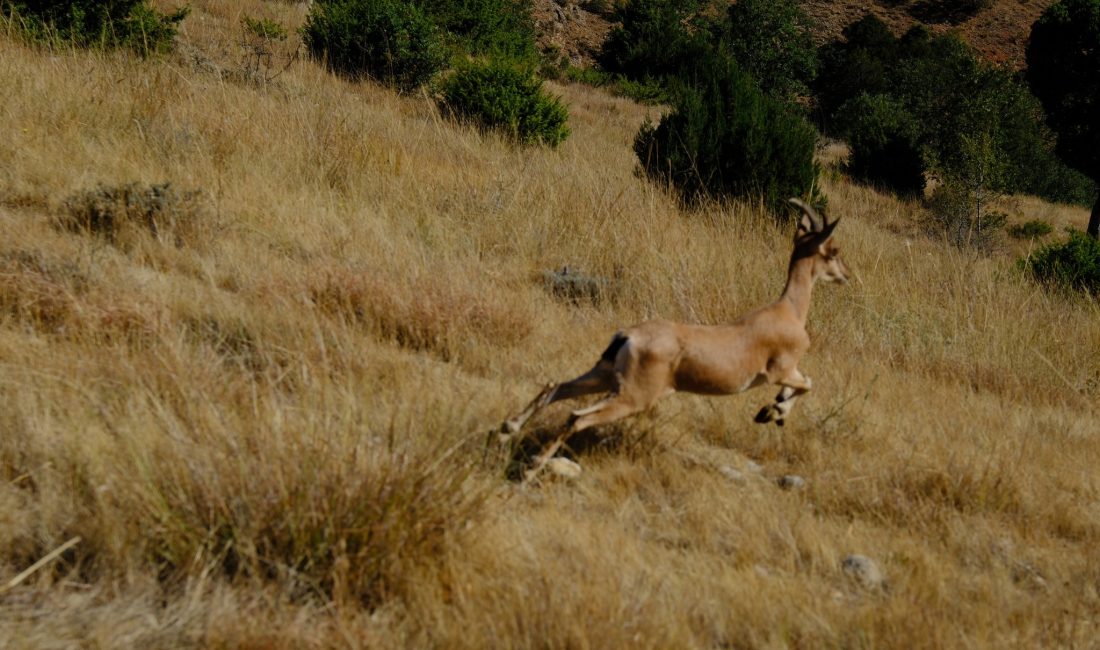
(649, 91)
(102, 23)
(883, 138)
(500, 28)
(264, 28)
(963, 220)
(961, 204)
(866, 61)
(1073, 264)
(390, 41)
(653, 39)
(643, 91)
(502, 95)
(949, 93)
(726, 139)
(1033, 229)
(770, 40)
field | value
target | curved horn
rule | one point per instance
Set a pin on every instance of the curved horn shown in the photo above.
(815, 218)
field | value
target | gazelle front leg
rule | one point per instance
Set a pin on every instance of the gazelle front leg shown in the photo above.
(795, 384)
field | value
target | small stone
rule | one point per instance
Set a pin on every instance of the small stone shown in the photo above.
(792, 482)
(732, 474)
(564, 468)
(574, 285)
(754, 467)
(863, 570)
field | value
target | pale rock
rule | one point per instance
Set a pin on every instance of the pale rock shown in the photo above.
(792, 482)
(864, 571)
(564, 468)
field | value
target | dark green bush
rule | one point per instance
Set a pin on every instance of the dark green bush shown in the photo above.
(726, 139)
(670, 41)
(883, 138)
(101, 23)
(1063, 70)
(498, 28)
(1074, 264)
(1033, 229)
(949, 93)
(654, 39)
(864, 62)
(501, 95)
(770, 40)
(948, 11)
(391, 41)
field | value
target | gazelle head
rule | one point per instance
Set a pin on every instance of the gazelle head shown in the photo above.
(814, 239)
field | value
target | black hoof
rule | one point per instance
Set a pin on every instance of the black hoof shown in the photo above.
(764, 416)
(779, 423)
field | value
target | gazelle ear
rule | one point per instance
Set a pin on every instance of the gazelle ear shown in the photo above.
(823, 237)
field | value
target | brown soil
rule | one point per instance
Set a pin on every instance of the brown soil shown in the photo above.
(570, 27)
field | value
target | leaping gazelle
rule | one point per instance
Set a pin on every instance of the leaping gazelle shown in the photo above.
(656, 358)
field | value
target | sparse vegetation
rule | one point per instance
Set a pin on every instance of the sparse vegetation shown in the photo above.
(501, 95)
(261, 36)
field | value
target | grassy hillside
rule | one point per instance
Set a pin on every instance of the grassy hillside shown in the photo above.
(264, 423)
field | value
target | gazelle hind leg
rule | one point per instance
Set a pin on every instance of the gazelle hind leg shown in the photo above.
(794, 386)
(604, 412)
(599, 379)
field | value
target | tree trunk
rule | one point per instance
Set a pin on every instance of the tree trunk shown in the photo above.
(1094, 220)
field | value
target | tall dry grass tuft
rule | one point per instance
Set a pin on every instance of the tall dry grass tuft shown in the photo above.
(267, 431)
(422, 313)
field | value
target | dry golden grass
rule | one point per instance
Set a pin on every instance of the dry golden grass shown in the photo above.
(274, 439)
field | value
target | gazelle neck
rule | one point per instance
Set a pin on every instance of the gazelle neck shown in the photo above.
(800, 284)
